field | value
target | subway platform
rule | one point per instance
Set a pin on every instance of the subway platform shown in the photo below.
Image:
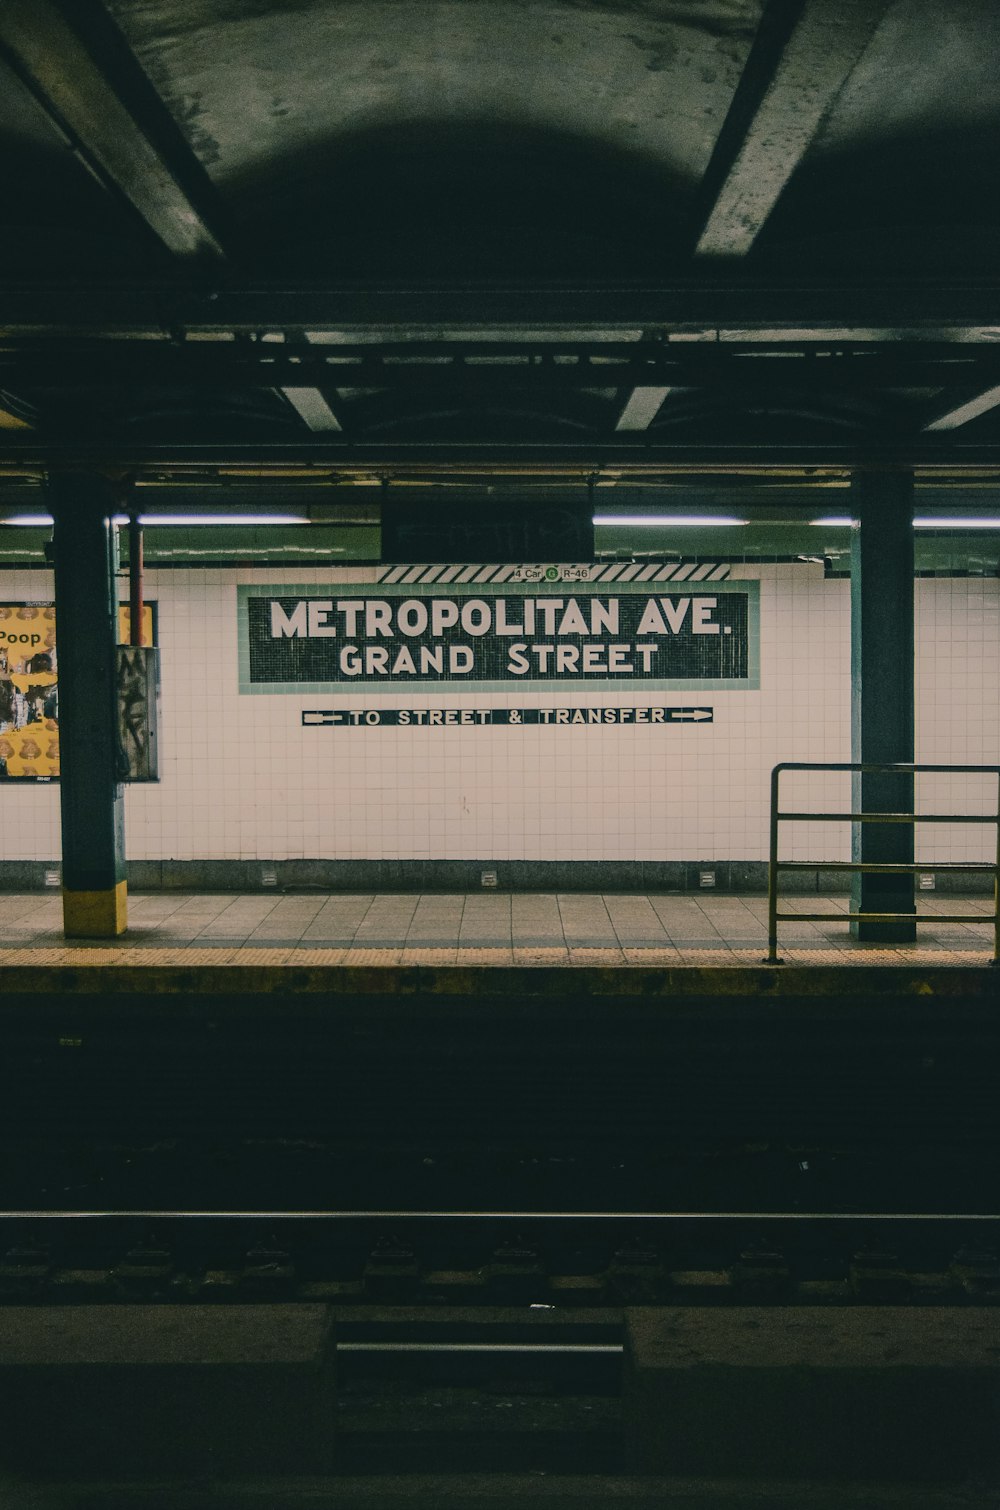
(476, 929)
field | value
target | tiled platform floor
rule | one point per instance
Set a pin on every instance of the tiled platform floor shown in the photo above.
(479, 929)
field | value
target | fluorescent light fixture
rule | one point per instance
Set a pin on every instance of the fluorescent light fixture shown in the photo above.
(946, 522)
(939, 522)
(667, 521)
(182, 519)
(178, 520)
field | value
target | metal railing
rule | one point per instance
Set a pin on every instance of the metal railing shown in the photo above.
(885, 868)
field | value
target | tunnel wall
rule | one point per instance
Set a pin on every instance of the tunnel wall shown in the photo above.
(243, 781)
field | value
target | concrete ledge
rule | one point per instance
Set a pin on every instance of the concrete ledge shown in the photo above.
(578, 992)
(883, 1392)
(473, 1491)
(126, 1390)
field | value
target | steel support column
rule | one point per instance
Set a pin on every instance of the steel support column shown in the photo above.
(91, 793)
(882, 693)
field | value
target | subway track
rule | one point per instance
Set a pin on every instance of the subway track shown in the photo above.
(480, 1175)
(386, 1135)
(555, 1264)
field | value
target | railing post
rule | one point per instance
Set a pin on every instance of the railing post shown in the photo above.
(772, 876)
(862, 867)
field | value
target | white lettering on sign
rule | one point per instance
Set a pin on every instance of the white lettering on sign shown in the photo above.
(378, 619)
(700, 623)
(374, 660)
(288, 624)
(318, 619)
(476, 616)
(557, 618)
(412, 616)
(501, 625)
(517, 661)
(444, 615)
(674, 613)
(453, 718)
(633, 636)
(351, 609)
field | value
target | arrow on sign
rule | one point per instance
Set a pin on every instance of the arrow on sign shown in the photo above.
(697, 715)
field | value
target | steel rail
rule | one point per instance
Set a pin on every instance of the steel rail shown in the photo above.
(571, 1348)
(862, 867)
(520, 1216)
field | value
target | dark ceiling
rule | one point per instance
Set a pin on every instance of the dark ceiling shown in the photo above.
(390, 232)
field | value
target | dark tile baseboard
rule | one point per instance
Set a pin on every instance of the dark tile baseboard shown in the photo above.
(739, 877)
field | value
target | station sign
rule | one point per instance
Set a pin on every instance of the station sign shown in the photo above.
(520, 627)
(507, 718)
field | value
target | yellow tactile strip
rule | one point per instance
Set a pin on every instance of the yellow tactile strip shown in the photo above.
(321, 957)
(422, 954)
(368, 957)
(125, 954)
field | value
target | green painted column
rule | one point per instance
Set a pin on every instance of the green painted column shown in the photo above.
(91, 793)
(882, 692)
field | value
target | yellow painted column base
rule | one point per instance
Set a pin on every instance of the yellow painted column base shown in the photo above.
(96, 914)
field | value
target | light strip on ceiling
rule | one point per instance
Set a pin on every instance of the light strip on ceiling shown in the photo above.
(666, 521)
(242, 519)
(176, 520)
(946, 523)
(922, 522)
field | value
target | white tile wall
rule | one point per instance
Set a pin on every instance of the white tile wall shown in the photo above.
(957, 710)
(241, 779)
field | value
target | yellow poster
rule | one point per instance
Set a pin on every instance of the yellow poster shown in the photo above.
(29, 692)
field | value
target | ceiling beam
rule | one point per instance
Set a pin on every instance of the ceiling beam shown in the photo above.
(944, 453)
(733, 307)
(877, 308)
(971, 408)
(641, 408)
(13, 414)
(800, 60)
(77, 65)
(309, 403)
(647, 371)
(311, 406)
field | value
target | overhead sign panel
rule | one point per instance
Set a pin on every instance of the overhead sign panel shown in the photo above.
(440, 530)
